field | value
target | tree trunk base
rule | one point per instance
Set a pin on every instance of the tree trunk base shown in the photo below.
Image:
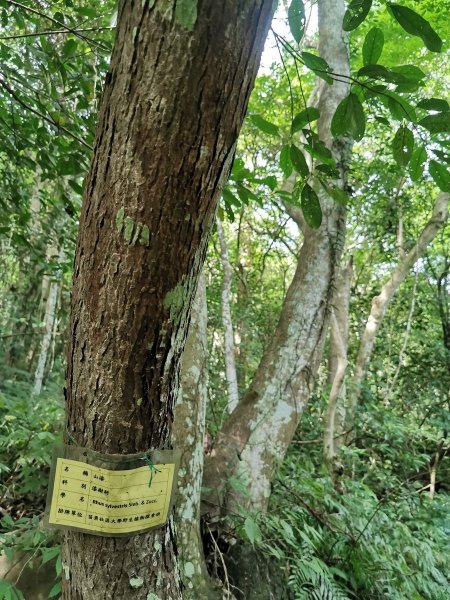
(254, 576)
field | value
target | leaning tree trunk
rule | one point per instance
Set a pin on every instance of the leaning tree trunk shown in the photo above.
(382, 301)
(173, 104)
(257, 434)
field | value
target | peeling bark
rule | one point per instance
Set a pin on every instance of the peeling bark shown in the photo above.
(173, 104)
(229, 350)
(257, 434)
(382, 301)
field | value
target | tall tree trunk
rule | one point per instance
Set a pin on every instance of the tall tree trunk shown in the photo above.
(337, 365)
(381, 302)
(173, 104)
(257, 434)
(188, 435)
(49, 325)
(228, 334)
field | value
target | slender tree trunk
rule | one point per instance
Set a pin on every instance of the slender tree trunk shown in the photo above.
(49, 322)
(381, 302)
(257, 434)
(173, 104)
(188, 435)
(229, 350)
(337, 365)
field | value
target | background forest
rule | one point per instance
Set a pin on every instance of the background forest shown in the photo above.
(359, 507)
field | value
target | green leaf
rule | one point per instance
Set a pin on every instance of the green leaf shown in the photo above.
(355, 14)
(380, 72)
(55, 591)
(440, 174)
(416, 163)
(229, 197)
(311, 207)
(304, 117)
(410, 73)
(49, 553)
(416, 25)
(398, 107)
(373, 46)
(252, 530)
(285, 160)
(296, 18)
(434, 104)
(317, 64)
(318, 150)
(336, 193)
(349, 117)
(438, 123)
(299, 161)
(264, 125)
(402, 146)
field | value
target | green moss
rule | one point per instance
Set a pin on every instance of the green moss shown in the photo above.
(145, 236)
(136, 582)
(186, 13)
(119, 219)
(128, 230)
(174, 300)
(137, 231)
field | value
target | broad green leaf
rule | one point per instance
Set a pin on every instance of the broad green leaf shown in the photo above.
(299, 161)
(411, 73)
(373, 46)
(336, 193)
(438, 123)
(442, 155)
(349, 117)
(264, 125)
(296, 18)
(252, 530)
(399, 108)
(382, 120)
(434, 104)
(355, 14)
(304, 117)
(55, 591)
(49, 553)
(328, 170)
(402, 146)
(417, 162)
(285, 160)
(317, 64)
(311, 207)
(320, 151)
(380, 72)
(229, 198)
(416, 25)
(440, 174)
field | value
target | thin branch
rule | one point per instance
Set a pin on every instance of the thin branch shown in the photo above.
(12, 93)
(53, 32)
(56, 22)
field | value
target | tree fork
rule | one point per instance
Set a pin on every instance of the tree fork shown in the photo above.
(172, 107)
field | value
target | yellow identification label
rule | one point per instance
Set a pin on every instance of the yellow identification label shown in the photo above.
(110, 502)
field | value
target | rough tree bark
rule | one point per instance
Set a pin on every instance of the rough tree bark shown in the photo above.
(381, 302)
(173, 104)
(257, 434)
(229, 349)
